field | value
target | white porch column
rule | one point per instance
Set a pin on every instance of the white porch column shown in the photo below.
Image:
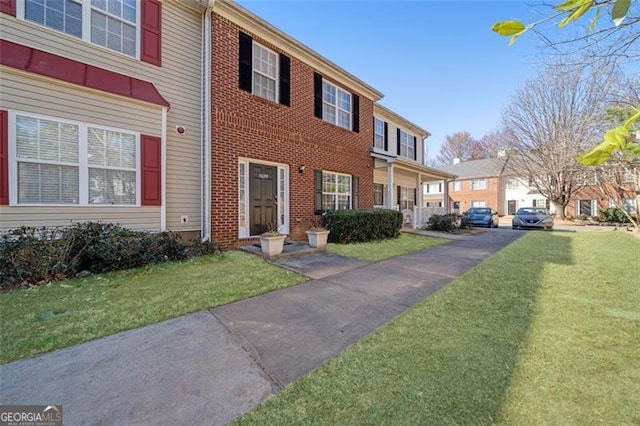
(419, 191)
(445, 194)
(390, 188)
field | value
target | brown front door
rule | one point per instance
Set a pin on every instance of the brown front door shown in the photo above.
(263, 198)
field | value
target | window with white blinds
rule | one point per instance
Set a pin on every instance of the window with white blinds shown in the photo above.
(60, 162)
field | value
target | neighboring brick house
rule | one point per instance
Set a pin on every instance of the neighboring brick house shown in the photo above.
(291, 132)
(92, 94)
(589, 200)
(480, 183)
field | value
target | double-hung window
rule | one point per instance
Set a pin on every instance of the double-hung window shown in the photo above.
(378, 137)
(60, 162)
(336, 105)
(477, 184)
(513, 183)
(113, 24)
(407, 198)
(336, 191)
(265, 73)
(407, 145)
(456, 185)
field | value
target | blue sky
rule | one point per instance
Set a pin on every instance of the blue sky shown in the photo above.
(437, 62)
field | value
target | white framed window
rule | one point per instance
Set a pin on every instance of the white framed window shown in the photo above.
(379, 190)
(477, 184)
(336, 105)
(513, 183)
(60, 162)
(434, 188)
(265, 73)
(587, 207)
(378, 130)
(113, 24)
(456, 185)
(630, 205)
(628, 175)
(407, 148)
(478, 203)
(407, 198)
(242, 196)
(336, 191)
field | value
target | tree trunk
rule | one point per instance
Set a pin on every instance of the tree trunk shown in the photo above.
(560, 210)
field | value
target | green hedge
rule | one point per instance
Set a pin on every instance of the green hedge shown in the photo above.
(355, 226)
(612, 215)
(34, 255)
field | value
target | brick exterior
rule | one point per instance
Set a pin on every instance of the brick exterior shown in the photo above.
(592, 192)
(467, 195)
(245, 125)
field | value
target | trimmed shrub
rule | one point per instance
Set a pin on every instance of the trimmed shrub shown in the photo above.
(32, 255)
(355, 226)
(613, 215)
(446, 222)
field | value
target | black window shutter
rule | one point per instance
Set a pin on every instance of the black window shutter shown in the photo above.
(317, 189)
(415, 196)
(415, 148)
(356, 113)
(245, 66)
(317, 95)
(398, 141)
(355, 191)
(285, 80)
(386, 136)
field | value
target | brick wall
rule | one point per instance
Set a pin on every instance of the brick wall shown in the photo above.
(467, 195)
(245, 125)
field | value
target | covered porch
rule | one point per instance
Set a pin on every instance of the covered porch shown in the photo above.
(399, 184)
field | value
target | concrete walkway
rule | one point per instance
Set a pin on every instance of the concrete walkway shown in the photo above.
(213, 366)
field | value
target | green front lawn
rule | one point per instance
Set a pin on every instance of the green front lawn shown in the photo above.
(61, 314)
(379, 250)
(54, 316)
(544, 332)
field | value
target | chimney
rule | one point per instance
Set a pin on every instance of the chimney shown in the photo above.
(456, 161)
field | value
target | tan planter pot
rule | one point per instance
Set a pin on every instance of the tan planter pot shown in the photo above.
(318, 239)
(272, 246)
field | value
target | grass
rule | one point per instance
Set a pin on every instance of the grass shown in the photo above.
(543, 332)
(57, 315)
(380, 250)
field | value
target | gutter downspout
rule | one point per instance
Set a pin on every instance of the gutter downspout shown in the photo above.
(163, 172)
(206, 126)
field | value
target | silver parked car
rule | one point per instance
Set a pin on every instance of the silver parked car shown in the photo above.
(532, 218)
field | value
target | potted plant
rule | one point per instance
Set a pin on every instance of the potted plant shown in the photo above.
(272, 242)
(318, 237)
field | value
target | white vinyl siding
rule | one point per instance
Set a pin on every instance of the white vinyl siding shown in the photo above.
(336, 191)
(179, 80)
(109, 23)
(265, 73)
(336, 105)
(56, 162)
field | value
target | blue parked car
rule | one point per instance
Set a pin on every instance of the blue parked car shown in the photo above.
(482, 216)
